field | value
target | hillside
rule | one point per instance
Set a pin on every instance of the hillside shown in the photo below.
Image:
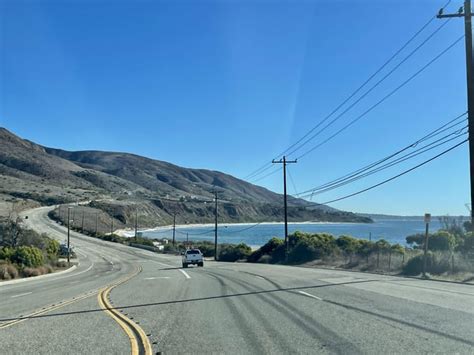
(119, 183)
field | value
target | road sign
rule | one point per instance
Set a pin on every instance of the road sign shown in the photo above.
(427, 217)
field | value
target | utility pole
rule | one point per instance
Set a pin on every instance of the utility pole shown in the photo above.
(187, 240)
(73, 216)
(466, 13)
(284, 162)
(96, 223)
(136, 224)
(174, 229)
(68, 237)
(215, 225)
(427, 222)
(82, 224)
(111, 225)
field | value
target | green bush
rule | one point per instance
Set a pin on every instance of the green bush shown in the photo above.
(439, 241)
(435, 264)
(27, 256)
(52, 249)
(230, 252)
(347, 244)
(6, 253)
(267, 249)
(310, 247)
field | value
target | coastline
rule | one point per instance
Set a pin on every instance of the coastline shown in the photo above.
(129, 232)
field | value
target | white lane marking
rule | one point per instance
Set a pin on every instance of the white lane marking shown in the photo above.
(310, 295)
(154, 278)
(74, 282)
(21, 294)
(185, 273)
(260, 277)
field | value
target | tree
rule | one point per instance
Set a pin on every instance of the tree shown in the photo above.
(11, 229)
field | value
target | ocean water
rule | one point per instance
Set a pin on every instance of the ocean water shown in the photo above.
(392, 230)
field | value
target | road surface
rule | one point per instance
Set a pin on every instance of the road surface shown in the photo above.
(225, 307)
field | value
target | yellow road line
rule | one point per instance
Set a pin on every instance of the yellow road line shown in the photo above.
(46, 310)
(134, 332)
(102, 298)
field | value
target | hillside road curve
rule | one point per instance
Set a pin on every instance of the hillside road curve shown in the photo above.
(226, 307)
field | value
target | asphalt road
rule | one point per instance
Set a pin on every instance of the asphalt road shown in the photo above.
(229, 307)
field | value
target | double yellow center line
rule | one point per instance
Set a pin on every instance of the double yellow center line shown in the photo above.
(139, 341)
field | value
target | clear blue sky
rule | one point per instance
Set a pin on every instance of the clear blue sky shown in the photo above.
(227, 85)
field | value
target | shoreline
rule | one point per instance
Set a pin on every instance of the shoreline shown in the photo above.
(129, 232)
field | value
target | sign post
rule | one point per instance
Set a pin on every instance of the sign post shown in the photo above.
(427, 223)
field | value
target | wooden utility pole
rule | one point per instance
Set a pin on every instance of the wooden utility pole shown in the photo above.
(215, 225)
(466, 13)
(174, 229)
(136, 224)
(425, 244)
(68, 237)
(284, 162)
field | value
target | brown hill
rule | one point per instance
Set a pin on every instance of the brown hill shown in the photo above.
(118, 182)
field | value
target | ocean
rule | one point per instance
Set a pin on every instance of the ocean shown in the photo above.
(392, 230)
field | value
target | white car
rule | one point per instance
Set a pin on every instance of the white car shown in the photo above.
(193, 256)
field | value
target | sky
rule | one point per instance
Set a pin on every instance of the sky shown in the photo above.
(228, 85)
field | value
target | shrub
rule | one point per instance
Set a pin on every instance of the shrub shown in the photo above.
(8, 272)
(414, 266)
(61, 263)
(267, 249)
(364, 247)
(439, 241)
(311, 246)
(435, 264)
(347, 244)
(229, 252)
(6, 253)
(27, 256)
(52, 249)
(31, 272)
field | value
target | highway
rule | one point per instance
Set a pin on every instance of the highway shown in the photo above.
(156, 306)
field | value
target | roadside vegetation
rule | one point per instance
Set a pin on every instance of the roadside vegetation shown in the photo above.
(225, 251)
(450, 252)
(25, 253)
(100, 232)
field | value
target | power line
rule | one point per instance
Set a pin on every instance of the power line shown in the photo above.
(384, 98)
(244, 229)
(388, 165)
(292, 182)
(267, 175)
(393, 177)
(449, 125)
(369, 90)
(384, 65)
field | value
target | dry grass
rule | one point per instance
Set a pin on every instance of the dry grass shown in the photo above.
(8, 272)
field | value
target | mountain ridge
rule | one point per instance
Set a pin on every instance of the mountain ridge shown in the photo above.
(51, 175)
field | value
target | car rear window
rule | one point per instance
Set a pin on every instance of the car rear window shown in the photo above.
(194, 251)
